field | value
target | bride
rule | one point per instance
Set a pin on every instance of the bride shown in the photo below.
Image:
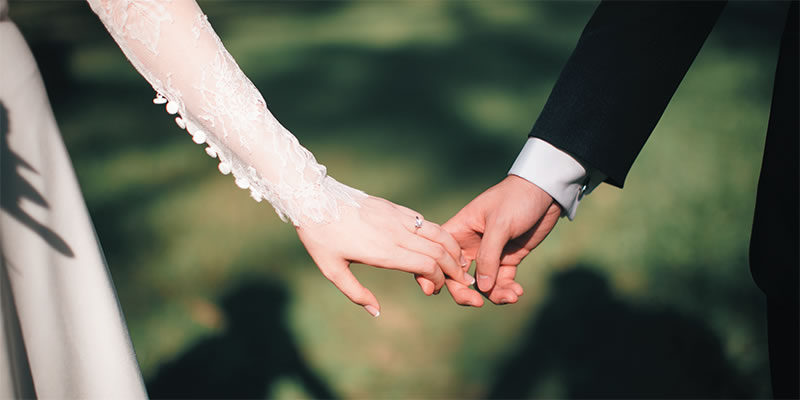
(62, 333)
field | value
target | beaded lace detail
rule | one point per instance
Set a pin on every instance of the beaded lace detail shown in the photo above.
(172, 45)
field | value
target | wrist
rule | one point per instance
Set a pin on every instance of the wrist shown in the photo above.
(556, 172)
(529, 188)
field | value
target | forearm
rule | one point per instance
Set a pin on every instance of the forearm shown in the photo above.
(631, 56)
(173, 46)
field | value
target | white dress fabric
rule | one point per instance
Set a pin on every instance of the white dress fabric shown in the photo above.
(62, 334)
(172, 45)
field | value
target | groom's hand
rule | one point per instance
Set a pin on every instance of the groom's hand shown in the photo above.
(498, 229)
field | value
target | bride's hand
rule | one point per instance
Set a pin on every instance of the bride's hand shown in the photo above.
(382, 234)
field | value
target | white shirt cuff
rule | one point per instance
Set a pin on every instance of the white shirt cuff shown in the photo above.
(559, 174)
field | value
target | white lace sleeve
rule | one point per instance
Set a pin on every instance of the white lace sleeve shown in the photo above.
(172, 45)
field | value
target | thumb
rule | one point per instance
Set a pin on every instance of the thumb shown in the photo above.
(494, 239)
(339, 273)
(427, 286)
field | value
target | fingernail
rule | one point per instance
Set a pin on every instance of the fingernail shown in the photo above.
(469, 278)
(484, 283)
(463, 261)
(372, 310)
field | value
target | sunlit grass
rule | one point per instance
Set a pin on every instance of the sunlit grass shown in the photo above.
(178, 236)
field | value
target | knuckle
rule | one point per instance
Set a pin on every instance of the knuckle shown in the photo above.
(484, 260)
(332, 274)
(430, 266)
(356, 299)
(359, 296)
(463, 301)
(440, 253)
(453, 246)
(327, 273)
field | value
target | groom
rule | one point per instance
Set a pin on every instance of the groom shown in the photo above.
(629, 61)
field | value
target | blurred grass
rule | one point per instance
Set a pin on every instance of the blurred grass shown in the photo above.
(425, 103)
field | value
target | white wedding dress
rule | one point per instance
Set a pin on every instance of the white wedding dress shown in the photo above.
(62, 333)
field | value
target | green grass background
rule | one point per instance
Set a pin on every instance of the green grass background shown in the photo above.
(427, 103)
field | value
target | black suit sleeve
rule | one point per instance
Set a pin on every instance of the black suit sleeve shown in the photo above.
(629, 61)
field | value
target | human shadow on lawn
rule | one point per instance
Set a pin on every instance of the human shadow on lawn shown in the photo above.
(591, 344)
(247, 359)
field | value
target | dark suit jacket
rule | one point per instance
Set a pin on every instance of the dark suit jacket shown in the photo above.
(618, 81)
(629, 61)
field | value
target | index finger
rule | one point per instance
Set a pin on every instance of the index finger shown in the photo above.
(463, 295)
(438, 253)
(488, 262)
(435, 233)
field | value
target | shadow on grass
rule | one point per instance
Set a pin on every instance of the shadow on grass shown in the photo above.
(408, 97)
(588, 343)
(405, 100)
(255, 350)
(402, 100)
